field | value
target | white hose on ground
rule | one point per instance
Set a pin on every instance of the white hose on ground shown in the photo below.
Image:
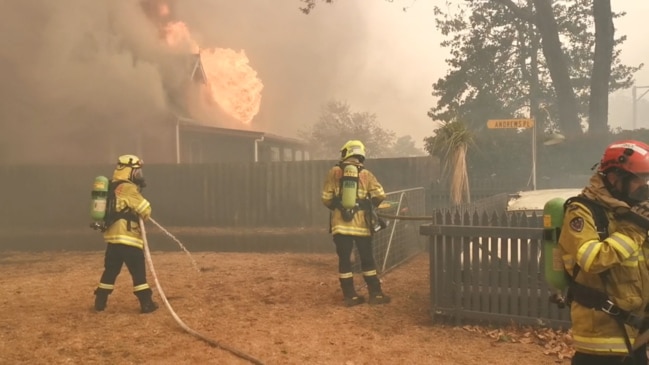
(182, 324)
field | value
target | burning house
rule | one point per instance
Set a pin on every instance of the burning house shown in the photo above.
(128, 77)
(212, 106)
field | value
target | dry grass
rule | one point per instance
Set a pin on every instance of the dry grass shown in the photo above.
(278, 308)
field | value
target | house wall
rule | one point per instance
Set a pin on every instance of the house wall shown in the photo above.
(272, 151)
(210, 147)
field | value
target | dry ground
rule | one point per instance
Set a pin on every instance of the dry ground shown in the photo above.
(277, 308)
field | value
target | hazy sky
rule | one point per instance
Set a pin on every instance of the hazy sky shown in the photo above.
(372, 54)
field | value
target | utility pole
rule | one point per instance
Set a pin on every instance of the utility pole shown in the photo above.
(634, 93)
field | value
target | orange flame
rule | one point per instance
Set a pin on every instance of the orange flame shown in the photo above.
(231, 82)
(177, 35)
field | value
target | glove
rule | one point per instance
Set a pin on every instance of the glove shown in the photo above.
(638, 215)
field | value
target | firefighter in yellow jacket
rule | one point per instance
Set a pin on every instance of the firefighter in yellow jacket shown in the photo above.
(351, 192)
(609, 278)
(125, 206)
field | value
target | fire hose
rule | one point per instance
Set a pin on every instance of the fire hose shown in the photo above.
(182, 324)
(406, 218)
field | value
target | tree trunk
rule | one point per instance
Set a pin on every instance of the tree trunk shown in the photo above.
(566, 100)
(599, 81)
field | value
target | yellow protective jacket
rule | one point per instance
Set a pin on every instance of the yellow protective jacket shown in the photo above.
(368, 188)
(128, 195)
(619, 259)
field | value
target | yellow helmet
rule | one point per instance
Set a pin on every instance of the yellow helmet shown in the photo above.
(129, 167)
(353, 147)
(129, 161)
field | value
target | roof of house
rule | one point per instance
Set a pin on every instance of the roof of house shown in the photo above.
(190, 124)
(179, 110)
(198, 72)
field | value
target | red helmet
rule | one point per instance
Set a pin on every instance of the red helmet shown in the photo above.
(627, 155)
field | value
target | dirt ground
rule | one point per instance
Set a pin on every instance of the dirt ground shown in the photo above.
(275, 308)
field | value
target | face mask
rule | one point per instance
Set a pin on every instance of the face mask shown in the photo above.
(640, 194)
(137, 177)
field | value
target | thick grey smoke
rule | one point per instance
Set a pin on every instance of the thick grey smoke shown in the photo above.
(70, 68)
(75, 71)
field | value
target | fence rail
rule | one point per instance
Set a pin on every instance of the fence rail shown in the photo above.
(268, 194)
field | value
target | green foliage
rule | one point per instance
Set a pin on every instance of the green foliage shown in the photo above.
(490, 71)
(491, 76)
(447, 138)
(337, 124)
(450, 144)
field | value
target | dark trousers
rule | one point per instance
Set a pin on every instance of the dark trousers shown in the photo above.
(344, 247)
(115, 256)
(639, 358)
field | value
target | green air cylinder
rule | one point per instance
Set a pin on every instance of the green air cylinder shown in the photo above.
(349, 186)
(99, 195)
(555, 273)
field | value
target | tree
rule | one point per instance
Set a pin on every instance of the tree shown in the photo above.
(602, 61)
(450, 145)
(507, 60)
(405, 147)
(337, 124)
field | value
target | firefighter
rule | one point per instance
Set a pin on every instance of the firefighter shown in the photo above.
(351, 192)
(123, 236)
(609, 279)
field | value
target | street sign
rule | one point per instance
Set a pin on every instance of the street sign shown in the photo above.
(510, 123)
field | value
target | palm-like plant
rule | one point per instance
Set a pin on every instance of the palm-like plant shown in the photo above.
(450, 144)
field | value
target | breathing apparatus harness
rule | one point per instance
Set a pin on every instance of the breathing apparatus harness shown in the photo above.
(112, 215)
(591, 297)
(348, 202)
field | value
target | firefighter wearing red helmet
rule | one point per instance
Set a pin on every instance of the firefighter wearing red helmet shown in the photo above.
(351, 192)
(604, 252)
(123, 236)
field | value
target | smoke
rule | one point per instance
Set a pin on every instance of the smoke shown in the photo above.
(71, 68)
(75, 72)
(301, 60)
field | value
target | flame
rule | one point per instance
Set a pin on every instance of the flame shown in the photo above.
(231, 83)
(177, 35)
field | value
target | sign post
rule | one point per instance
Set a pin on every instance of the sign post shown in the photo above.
(522, 123)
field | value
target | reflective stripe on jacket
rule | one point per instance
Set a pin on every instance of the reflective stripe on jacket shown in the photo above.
(619, 259)
(127, 195)
(368, 187)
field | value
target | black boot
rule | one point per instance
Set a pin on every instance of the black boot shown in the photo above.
(374, 287)
(351, 298)
(147, 305)
(101, 298)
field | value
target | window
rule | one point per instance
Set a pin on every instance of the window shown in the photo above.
(274, 154)
(288, 154)
(298, 155)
